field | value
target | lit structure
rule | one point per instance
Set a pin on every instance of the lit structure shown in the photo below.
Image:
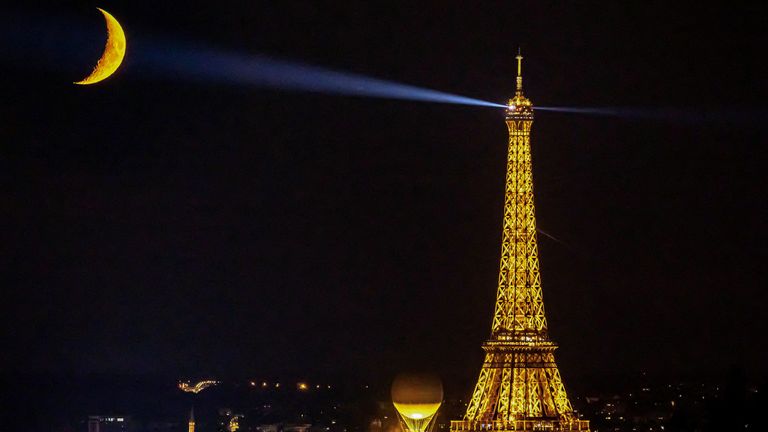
(191, 424)
(234, 423)
(519, 388)
(185, 386)
(108, 423)
(417, 397)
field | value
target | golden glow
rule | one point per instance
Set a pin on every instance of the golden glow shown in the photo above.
(114, 51)
(417, 397)
(302, 386)
(234, 424)
(417, 411)
(191, 424)
(519, 387)
(198, 387)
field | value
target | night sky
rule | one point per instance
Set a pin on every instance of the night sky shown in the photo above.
(161, 226)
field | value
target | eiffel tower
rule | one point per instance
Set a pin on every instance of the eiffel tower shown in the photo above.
(519, 388)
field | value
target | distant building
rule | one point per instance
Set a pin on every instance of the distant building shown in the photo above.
(98, 423)
(228, 420)
(293, 427)
(276, 427)
(284, 427)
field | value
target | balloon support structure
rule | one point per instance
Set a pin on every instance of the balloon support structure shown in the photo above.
(426, 424)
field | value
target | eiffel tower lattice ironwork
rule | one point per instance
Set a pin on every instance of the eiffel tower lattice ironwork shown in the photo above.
(519, 388)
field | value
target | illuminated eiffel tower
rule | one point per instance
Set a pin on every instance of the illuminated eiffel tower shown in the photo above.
(519, 388)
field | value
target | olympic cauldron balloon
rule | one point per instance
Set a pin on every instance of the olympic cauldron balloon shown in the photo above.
(417, 397)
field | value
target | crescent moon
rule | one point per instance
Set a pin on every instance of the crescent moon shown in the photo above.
(114, 51)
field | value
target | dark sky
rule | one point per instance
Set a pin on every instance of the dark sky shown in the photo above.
(176, 227)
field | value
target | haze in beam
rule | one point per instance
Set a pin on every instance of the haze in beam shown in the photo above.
(260, 71)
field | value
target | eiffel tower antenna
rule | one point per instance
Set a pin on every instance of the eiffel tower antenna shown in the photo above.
(519, 58)
(191, 423)
(519, 387)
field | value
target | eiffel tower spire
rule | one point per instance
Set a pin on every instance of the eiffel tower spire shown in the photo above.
(191, 423)
(519, 57)
(519, 387)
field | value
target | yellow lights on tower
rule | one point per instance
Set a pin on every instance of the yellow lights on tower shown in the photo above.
(519, 387)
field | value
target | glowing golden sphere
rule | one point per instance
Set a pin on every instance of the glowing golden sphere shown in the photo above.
(417, 397)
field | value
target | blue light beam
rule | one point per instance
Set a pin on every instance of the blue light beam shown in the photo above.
(712, 115)
(264, 72)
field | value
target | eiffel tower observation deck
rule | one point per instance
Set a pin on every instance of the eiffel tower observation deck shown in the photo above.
(519, 388)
